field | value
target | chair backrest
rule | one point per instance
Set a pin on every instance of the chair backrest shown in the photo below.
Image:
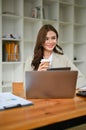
(18, 89)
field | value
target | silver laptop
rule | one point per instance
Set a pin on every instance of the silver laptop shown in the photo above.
(50, 84)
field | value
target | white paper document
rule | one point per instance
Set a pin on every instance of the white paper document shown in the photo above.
(82, 88)
(9, 100)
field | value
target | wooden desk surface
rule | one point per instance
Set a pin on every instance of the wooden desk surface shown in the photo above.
(42, 113)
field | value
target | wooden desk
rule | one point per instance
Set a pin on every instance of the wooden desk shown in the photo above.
(44, 112)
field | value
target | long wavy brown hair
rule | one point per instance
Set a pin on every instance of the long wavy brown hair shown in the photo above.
(39, 50)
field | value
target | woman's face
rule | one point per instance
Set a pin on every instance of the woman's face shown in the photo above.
(50, 41)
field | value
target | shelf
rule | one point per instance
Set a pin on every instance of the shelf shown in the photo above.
(33, 5)
(79, 34)
(12, 63)
(79, 15)
(24, 18)
(81, 66)
(65, 11)
(31, 29)
(15, 27)
(12, 7)
(80, 48)
(32, 20)
(66, 33)
(11, 16)
(67, 2)
(80, 2)
(79, 61)
(49, 10)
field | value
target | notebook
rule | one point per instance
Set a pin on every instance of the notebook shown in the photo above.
(50, 84)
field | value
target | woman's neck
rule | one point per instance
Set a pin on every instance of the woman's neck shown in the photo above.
(47, 55)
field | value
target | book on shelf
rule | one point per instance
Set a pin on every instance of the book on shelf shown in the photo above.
(14, 51)
(11, 51)
(8, 51)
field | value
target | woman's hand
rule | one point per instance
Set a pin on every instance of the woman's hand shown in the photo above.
(43, 66)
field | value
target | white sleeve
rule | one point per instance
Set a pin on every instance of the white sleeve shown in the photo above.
(28, 65)
(81, 80)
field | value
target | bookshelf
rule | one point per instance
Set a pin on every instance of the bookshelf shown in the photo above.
(19, 24)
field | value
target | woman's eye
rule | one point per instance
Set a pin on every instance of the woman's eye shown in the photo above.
(46, 38)
(53, 37)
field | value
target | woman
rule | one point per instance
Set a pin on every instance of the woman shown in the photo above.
(47, 48)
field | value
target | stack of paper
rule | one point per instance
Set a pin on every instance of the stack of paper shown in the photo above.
(82, 88)
(9, 100)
